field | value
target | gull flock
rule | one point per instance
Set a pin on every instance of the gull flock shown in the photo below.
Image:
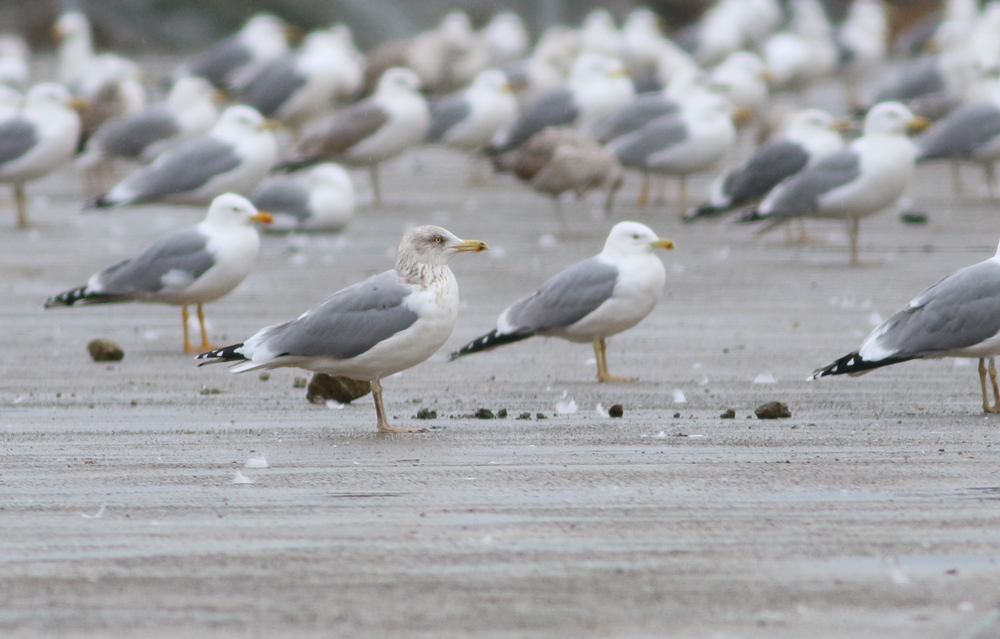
(263, 131)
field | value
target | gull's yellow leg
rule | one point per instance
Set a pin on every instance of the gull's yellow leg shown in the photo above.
(982, 382)
(996, 391)
(187, 341)
(601, 350)
(23, 221)
(644, 192)
(205, 344)
(383, 421)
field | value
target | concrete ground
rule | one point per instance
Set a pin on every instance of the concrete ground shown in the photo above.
(872, 512)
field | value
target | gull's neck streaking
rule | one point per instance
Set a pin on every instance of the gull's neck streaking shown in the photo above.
(418, 272)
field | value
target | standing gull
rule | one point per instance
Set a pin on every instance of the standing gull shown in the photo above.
(689, 141)
(233, 62)
(39, 138)
(234, 156)
(376, 328)
(13, 61)
(598, 86)
(469, 119)
(591, 300)
(855, 182)
(957, 317)
(371, 131)
(321, 200)
(193, 266)
(812, 135)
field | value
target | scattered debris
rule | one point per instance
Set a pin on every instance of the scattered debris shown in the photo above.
(300, 382)
(601, 412)
(566, 405)
(426, 413)
(257, 462)
(913, 217)
(772, 410)
(541, 416)
(502, 413)
(524, 416)
(104, 350)
(677, 415)
(240, 478)
(679, 396)
(484, 413)
(264, 377)
(98, 514)
(616, 411)
(765, 378)
(728, 414)
(341, 389)
(205, 390)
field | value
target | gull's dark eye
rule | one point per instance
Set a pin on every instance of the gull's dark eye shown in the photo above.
(635, 237)
(438, 239)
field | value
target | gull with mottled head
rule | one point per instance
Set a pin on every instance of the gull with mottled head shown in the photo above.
(376, 328)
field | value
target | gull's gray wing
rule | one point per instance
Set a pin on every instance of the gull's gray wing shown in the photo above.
(171, 264)
(555, 108)
(637, 149)
(446, 114)
(347, 324)
(129, 136)
(17, 136)
(347, 128)
(768, 166)
(633, 116)
(800, 194)
(958, 312)
(216, 64)
(282, 195)
(961, 132)
(919, 78)
(274, 84)
(181, 170)
(564, 298)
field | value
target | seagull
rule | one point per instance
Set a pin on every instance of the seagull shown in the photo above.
(970, 132)
(76, 49)
(598, 86)
(112, 86)
(193, 266)
(689, 141)
(376, 129)
(591, 300)
(10, 101)
(13, 61)
(322, 200)
(300, 85)
(557, 160)
(376, 328)
(189, 111)
(506, 38)
(855, 182)
(957, 317)
(469, 119)
(37, 139)
(234, 156)
(806, 53)
(862, 41)
(812, 135)
(233, 62)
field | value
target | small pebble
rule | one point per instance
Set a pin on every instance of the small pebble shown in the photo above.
(104, 350)
(524, 416)
(300, 382)
(540, 416)
(616, 411)
(728, 414)
(426, 413)
(502, 413)
(265, 376)
(484, 413)
(677, 415)
(913, 217)
(211, 391)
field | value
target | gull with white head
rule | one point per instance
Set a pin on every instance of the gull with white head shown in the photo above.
(591, 300)
(193, 266)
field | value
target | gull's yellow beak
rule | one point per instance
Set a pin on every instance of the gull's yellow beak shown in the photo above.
(619, 73)
(508, 87)
(271, 124)
(742, 117)
(294, 33)
(841, 126)
(473, 245)
(263, 217)
(57, 33)
(917, 124)
(932, 46)
(765, 74)
(663, 243)
(220, 95)
(79, 104)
